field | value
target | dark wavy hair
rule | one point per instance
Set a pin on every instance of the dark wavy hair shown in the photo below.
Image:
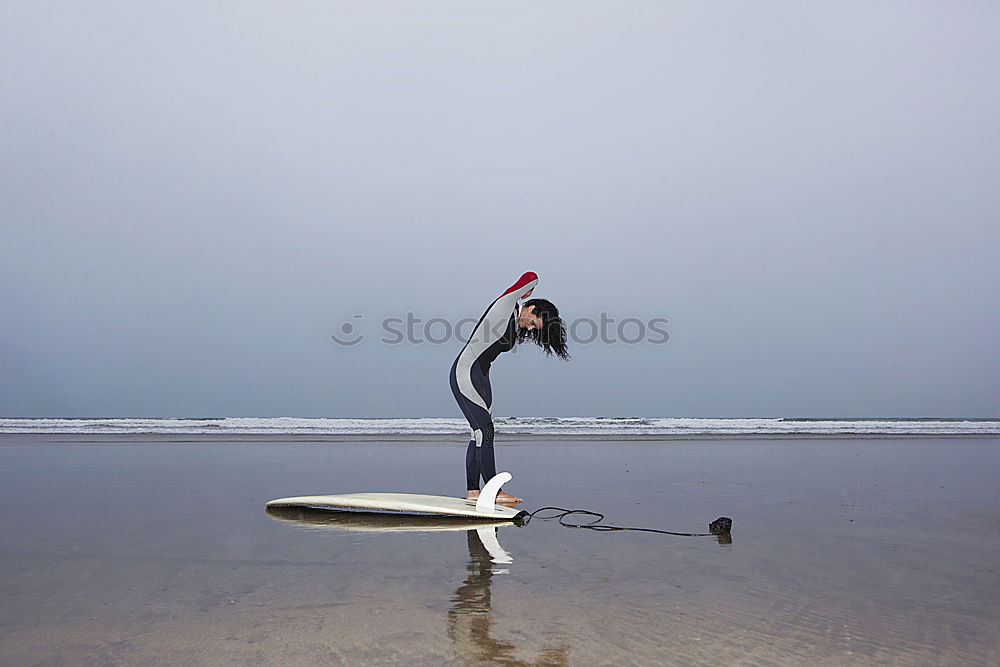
(551, 337)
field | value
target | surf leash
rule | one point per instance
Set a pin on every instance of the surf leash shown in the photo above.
(720, 527)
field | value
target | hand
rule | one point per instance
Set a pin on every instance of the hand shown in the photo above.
(529, 293)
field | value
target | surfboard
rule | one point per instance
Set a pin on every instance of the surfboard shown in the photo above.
(485, 508)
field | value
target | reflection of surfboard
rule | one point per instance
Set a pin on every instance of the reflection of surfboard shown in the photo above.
(484, 509)
(372, 522)
(377, 523)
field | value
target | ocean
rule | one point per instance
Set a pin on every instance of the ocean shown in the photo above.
(605, 427)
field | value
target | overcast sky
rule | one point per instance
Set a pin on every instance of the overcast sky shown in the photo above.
(195, 196)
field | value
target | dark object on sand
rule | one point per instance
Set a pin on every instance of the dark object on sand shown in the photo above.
(721, 526)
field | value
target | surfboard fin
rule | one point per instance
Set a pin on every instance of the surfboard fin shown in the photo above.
(486, 503)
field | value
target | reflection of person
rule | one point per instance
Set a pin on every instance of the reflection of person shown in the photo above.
(469, 616)
(502, 326)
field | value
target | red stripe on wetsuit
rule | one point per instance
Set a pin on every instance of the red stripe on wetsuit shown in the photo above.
(521, 282)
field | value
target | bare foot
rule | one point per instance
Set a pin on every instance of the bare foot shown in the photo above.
(502, 498)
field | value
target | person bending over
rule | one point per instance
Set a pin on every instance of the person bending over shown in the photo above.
(503, 325)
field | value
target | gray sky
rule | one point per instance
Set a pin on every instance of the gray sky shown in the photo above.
(194, 198)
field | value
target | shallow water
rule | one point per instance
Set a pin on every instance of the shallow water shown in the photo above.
(842, 552)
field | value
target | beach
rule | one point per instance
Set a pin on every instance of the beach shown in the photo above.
(157, 550)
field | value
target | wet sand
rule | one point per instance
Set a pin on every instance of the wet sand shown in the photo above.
(139, 550)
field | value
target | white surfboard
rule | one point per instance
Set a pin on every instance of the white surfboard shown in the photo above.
(485, 508)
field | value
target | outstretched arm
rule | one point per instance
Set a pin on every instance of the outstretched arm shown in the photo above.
(523, 287)
(496, 319)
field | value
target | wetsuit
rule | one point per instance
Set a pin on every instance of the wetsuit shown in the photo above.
(495, 332)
